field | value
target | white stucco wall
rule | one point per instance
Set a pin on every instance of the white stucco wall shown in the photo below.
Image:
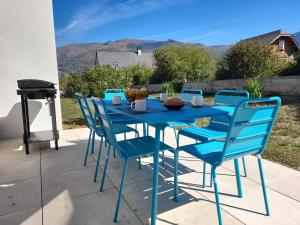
(27, 50)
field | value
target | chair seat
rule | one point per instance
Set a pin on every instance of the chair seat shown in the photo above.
(118, 129)
(210, 152)
(203, 133)
(135, 147)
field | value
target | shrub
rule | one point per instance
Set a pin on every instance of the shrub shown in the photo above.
(93, 81)
(255, 87)
(182, 63)
(141, 74)
(248, 59)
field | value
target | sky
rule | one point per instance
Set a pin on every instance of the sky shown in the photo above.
(210, 22)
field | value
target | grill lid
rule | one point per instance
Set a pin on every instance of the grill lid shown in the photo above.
(34, 83)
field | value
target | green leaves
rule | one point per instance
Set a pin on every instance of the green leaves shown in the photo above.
(248, 59)
(183, 62)
(255, 87)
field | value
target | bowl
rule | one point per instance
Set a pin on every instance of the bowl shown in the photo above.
(173, 103)
(135, 94)
(173, 107)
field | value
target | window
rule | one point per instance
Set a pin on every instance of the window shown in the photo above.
(281, 45)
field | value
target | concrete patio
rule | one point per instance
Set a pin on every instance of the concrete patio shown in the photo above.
(53, 188)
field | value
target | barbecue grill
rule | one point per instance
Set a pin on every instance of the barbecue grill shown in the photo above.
(38, 89)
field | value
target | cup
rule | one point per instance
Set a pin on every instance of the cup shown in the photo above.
(116, 100)
(197, 101)
(139, 105)
(163, 96)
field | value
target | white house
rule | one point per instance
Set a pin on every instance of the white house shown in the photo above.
(27, 51)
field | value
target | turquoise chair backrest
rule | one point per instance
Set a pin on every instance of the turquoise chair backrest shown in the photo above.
(187, 94)
(86, 111)
(250, 127)
(230, 97)
(227, 98)
(105, 122)
(109, 93)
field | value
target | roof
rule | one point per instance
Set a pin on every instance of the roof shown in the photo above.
(123, 59)
(269, 38)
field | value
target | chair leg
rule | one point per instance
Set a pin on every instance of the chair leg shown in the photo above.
(176, 155)
(114, 153)
(144, 129)
(263, 185)
(93, 143)
(87, 149)
(98, 160)
(140, 164)
(217, 195)
(147, 129)
(163, 153)
(105, 168)
(177, 140)
(120, 191)
(174, 129)
(125, 136)
(211, 176)
(238, 178)
(204, 175)
(244, 167)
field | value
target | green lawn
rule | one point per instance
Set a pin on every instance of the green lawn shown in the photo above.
(283, 147)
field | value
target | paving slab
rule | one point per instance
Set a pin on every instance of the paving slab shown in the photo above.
(133, 175)
(26, 217)
(19, 196)
(58, 163)
(70, 148)
(19, 170)
(13, 150)
(76, 183)
(277, 177)
(192, 208)
(91, 209)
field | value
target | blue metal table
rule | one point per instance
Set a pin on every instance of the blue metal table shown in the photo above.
(156, 113)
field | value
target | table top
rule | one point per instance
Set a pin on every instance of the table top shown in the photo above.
(156, 113)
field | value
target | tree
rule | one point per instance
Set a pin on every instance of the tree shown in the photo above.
(141, 73)
(248, 59)
(179, 63)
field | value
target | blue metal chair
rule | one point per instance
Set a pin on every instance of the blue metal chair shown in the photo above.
(90, 122)
(219, 125)
(185, 95)
(248, 134)
(127, 149)
(109, 93)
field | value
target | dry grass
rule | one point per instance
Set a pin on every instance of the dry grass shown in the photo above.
(283, 147)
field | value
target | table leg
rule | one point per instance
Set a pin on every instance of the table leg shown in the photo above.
(155, 175)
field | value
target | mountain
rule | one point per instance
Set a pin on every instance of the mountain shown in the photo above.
(74, 57)
(297, 36)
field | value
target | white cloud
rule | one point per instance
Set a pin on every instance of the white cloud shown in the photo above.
(194, 28)
(97, 14)
(207, 36)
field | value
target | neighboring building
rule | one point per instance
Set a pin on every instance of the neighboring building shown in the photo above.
(123, 59)
(281, 42)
